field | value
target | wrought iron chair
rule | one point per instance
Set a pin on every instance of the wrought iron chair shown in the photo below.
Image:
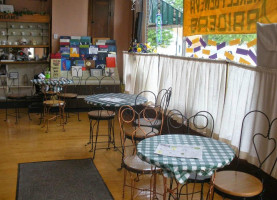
(202, 123)
(246, 185)
(100, 113)
(162, 100)
(14, 96)
(52, 101)
(69, 97)
(131, 163)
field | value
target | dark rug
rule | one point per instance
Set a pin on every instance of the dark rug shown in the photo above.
(57, 180)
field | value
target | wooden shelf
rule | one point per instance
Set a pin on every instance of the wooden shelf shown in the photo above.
(24, 18)
(25, 62)
(24, 46)
(21, 86)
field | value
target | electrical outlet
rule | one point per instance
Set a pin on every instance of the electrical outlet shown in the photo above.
(55, 36)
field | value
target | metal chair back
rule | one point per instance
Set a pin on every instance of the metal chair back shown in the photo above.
(202, 122)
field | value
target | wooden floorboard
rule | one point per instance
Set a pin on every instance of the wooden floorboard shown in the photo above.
(28, 142)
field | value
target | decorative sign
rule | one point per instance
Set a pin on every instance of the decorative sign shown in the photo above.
(55, 68)
(227, 16)
(159, 30)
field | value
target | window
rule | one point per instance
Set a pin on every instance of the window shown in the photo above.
(170, 31)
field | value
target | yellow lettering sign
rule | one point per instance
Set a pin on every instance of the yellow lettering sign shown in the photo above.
(226, 16)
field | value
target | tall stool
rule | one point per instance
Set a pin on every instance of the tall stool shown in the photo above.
(101, 114)
(52, 101)
(67, 97)
(14, 96)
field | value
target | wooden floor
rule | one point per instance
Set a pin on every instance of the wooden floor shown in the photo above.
(28, 142)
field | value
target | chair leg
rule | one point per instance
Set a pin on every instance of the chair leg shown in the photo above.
(6, 111)
(90, 132)
(16, 114)
(62, 116)
(165, 187)
(124, 183)
(201, 192)
(29, 115)
(48, 111)
(96, 137)
(78, 113)
(113, 140)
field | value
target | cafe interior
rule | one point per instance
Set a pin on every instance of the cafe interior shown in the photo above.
(138, 99)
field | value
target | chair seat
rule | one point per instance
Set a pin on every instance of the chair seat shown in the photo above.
(68, 95)
(53, 103)
(141, 132)
(135, 164)
(152, 122)
(101, 114)
(16, 96)
(238, 184)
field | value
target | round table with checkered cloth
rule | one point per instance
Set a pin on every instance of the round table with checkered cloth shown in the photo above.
(215, 154)
(51, 82)
(115, 99)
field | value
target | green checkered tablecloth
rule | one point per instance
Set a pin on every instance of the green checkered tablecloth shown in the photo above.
(115, 99)
(51, 82)
(215, 155)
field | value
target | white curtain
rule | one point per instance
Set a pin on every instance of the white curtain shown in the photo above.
(140, 72)
(227, 91)
(250, 89)
(197, 85)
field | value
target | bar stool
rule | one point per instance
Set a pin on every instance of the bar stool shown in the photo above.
(101, 114)
(52, 101)
(14, 97)
(68, 97)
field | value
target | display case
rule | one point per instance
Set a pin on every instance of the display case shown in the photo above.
(24, 48)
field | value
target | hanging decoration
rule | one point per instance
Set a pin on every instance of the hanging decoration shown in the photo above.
(159, 38)
(133, 5)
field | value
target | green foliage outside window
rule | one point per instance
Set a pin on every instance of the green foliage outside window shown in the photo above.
(178, 4)
(166, 37)
(228, 37)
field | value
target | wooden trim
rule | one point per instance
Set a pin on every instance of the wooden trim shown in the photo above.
(24, 46)
(6, 17)
(89, 33)
(25, 62)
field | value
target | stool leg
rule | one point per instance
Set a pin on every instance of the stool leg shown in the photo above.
(16, 113)
(96, 137)
(62, 116)
(44, 115)
(90, 132)
(78, 113)
(109, 133)
(113, 140)
(48, 111)
(6, 111)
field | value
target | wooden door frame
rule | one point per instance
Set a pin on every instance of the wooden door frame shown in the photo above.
(111, 20)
